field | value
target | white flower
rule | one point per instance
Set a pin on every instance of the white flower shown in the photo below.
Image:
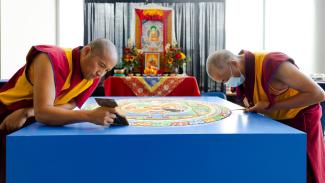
(167, 47)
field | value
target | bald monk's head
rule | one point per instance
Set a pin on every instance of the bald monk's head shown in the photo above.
(97, 57)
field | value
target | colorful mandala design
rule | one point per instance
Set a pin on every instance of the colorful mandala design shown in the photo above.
(158, 112)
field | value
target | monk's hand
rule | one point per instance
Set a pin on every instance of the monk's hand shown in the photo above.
(259, 107)
(14, 121)
(102, 116)
(246, 103)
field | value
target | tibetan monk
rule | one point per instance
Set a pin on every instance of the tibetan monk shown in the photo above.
(52, 83)
(271, 84)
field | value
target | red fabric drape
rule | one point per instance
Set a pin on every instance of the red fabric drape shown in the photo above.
(114, 86)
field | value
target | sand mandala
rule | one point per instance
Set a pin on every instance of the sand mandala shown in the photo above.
(158, 112)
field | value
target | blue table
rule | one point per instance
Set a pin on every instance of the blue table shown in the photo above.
(245, 147)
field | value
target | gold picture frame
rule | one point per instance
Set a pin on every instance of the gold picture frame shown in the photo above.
(152, 59)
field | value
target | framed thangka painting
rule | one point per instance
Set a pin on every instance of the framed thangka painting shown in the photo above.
(152, 60)
(153, 30)
(152, 36)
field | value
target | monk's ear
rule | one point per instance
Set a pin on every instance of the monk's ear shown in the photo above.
(86, 50)
(233, 63)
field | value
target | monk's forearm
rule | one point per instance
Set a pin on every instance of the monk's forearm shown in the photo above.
(29, 112)
(71, 105)
(60, 116)
(299, 100)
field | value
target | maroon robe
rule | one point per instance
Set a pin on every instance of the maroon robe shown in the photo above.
(61, 71)
(307, 120)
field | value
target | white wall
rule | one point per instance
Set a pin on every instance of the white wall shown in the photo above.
(290, 29)
(71, 23)
(319, 44)
(244, 25)
(278, 25)
(24, 23)
(30, 22)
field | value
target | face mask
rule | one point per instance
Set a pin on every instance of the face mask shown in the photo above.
(235, 81)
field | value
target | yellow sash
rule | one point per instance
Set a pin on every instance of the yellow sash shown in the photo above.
(75, 91)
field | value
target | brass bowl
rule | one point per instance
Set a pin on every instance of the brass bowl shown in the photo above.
(119, 71)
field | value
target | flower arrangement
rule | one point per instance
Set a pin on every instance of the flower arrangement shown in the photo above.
(131, 57)
(174, 56)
